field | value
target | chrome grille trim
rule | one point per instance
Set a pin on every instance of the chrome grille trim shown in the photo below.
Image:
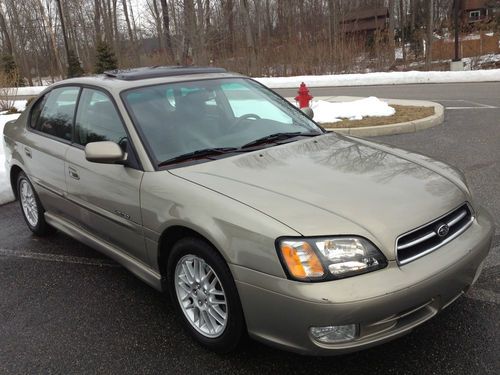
(452, 218)
(457, 218)
(417, 241)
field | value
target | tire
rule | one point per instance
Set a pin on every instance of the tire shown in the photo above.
(31, 207)
(220, 326)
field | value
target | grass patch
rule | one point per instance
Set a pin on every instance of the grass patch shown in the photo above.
(403, 114)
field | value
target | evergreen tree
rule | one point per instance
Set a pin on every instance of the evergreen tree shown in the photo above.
(11, 70)
(74, 67)
(105, 59)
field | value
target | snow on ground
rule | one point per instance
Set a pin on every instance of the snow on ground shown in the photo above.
(361, 79)
(471, 63)
(5, 189)
(390, 78)
(20, 105)
(327, 112)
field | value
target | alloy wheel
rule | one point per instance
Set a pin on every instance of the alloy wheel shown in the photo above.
(28, 203)
(201, 296)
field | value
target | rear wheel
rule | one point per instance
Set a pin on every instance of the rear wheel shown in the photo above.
(205, 295)
(32, 209)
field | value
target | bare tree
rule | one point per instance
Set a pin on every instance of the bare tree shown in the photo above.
(430, 32)
(392, 21)
(63, 27)
(272, 37)
(166, 29)
(5, 33)
(402, 26)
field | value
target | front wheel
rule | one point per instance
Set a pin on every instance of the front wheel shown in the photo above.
(33, 211)
(205, 295)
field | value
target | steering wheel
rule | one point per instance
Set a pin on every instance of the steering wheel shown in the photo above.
(248, 116)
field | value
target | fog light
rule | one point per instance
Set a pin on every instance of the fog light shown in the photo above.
(334, 334)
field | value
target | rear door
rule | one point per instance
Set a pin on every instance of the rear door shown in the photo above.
(107, 194)
(50, 128)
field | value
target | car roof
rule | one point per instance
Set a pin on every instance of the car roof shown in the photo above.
(119, 80)
(160, 71)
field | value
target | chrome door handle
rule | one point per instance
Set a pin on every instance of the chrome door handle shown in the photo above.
(27, 151)
(73, 173)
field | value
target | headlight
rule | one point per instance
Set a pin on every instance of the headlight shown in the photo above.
(320, 259)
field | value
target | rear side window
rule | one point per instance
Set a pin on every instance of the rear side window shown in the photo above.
(54, 113)
(97, 119)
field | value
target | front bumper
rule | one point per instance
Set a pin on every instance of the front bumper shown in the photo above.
(386, 304)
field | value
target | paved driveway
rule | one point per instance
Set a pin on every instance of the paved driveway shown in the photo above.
(64, 308)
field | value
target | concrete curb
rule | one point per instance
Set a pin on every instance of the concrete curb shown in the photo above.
(392, 129)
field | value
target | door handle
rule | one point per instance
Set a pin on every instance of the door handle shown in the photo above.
(73, 173)
(27, 151)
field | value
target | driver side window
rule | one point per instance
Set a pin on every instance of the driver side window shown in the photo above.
(97, 119)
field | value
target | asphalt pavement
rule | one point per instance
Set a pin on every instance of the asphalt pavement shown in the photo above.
(66, 309)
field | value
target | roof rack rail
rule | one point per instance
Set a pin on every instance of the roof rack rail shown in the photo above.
(159, 71)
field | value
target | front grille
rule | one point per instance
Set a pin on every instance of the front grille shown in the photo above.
(426, 239)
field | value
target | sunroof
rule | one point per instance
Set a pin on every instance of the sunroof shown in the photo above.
(160, 71)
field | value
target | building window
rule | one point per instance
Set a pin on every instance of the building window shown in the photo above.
(475, 15)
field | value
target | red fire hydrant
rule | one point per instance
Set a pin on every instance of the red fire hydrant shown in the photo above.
(304, 97)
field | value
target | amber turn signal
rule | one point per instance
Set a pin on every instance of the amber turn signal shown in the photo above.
(301, 260)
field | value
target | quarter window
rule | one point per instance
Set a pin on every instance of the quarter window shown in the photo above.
(97, 119)
(54, 113)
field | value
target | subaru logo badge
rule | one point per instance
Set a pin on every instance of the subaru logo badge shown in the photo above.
(442, 230)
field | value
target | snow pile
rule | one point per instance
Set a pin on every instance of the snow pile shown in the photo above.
(327, 112)
(5, 189)
(391, 78)
(28, 90)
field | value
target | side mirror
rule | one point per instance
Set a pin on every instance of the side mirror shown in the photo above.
(308, 112)
(104, 153)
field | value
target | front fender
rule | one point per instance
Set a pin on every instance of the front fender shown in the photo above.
(244, 236)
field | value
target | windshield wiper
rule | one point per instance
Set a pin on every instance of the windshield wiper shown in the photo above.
(278, 137)
(198, 154)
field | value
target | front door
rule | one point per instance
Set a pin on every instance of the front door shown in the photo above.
(108, 195)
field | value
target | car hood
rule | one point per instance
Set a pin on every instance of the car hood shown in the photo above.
(336, 185)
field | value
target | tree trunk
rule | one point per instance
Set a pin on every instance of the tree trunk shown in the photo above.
(117, 49)
(47, 21)
(63, 28)
(228, 10)
(127, 21)
(430, 30)
(5, 33)
(166, 29)
(189, 32)
(156, 15)
(97, 22)
(402, 22)
(332, 28)
(200, 34)
(107, 21)
(250, 42)
(391, 37)
(413, 13)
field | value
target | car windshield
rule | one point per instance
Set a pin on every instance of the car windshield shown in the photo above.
(226, 114)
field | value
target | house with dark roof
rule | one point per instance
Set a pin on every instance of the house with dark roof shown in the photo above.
(474, 11)
(366, 20)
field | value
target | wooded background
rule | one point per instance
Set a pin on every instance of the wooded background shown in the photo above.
(57, 38)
